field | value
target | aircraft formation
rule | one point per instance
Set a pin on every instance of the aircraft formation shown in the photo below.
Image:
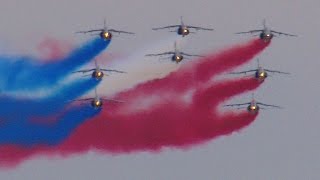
(260, 73)
(182, 29)
(207, 96)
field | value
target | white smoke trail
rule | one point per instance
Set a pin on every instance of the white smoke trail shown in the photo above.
(140, 68)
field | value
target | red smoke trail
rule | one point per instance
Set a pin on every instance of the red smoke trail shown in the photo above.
(171, 119)
(170, 122)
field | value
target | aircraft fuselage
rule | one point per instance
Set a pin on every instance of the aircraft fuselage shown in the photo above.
(183, 30)
(177, 58)
(96, 103)
(106, 35)
(97, 74)
(266, 36)
(261, 74)
(253, 108)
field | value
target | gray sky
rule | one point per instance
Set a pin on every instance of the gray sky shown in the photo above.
(280, 144)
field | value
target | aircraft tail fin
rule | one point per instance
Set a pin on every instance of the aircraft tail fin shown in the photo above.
(264, 23)
(252, 97)
(181, 21)
(176, 47)
(95, 93)
(105, 24)
(96, 64)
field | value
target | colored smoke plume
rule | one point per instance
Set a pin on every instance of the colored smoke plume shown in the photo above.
(174, 117)
(26, 73)
(170, 121)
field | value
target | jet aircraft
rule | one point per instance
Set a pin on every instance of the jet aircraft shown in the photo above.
(105, 33)
(253, 106)
(97, 101)
(266, 34)
(182, 28)
(177, 56)
(97, 72)
(260, 73)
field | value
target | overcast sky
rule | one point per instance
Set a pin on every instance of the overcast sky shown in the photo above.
(280, 144)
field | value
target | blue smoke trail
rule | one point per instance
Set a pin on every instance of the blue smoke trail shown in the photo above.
(28, 134)
(25, 73)
(14, 109)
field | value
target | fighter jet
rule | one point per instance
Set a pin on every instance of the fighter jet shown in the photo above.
(177, 56)
(182, 28)
(260, 73)
(105, 33)
(266, 34)
(253, 106)
(97, 72)
(97, 101)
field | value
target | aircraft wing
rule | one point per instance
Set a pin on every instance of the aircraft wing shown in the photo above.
(84, 71)
(85, 99)
(112, 70)
(241, 107)
(231, 105)
(199, 28)
(117, 31)
(189, 32)
(243, 72)
(269, 105)
(106, 99)
(166, 27)
(252, 31)
(161, 54)
(272, 71)
(281, 33)
(190, 54)
(94, 30)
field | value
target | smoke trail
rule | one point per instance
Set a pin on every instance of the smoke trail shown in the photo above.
(29, 134)
(223, 90)
(172, 120)
(201, 70)
(25, 73)
(44, 106)
(140, 68)
(171, 123)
